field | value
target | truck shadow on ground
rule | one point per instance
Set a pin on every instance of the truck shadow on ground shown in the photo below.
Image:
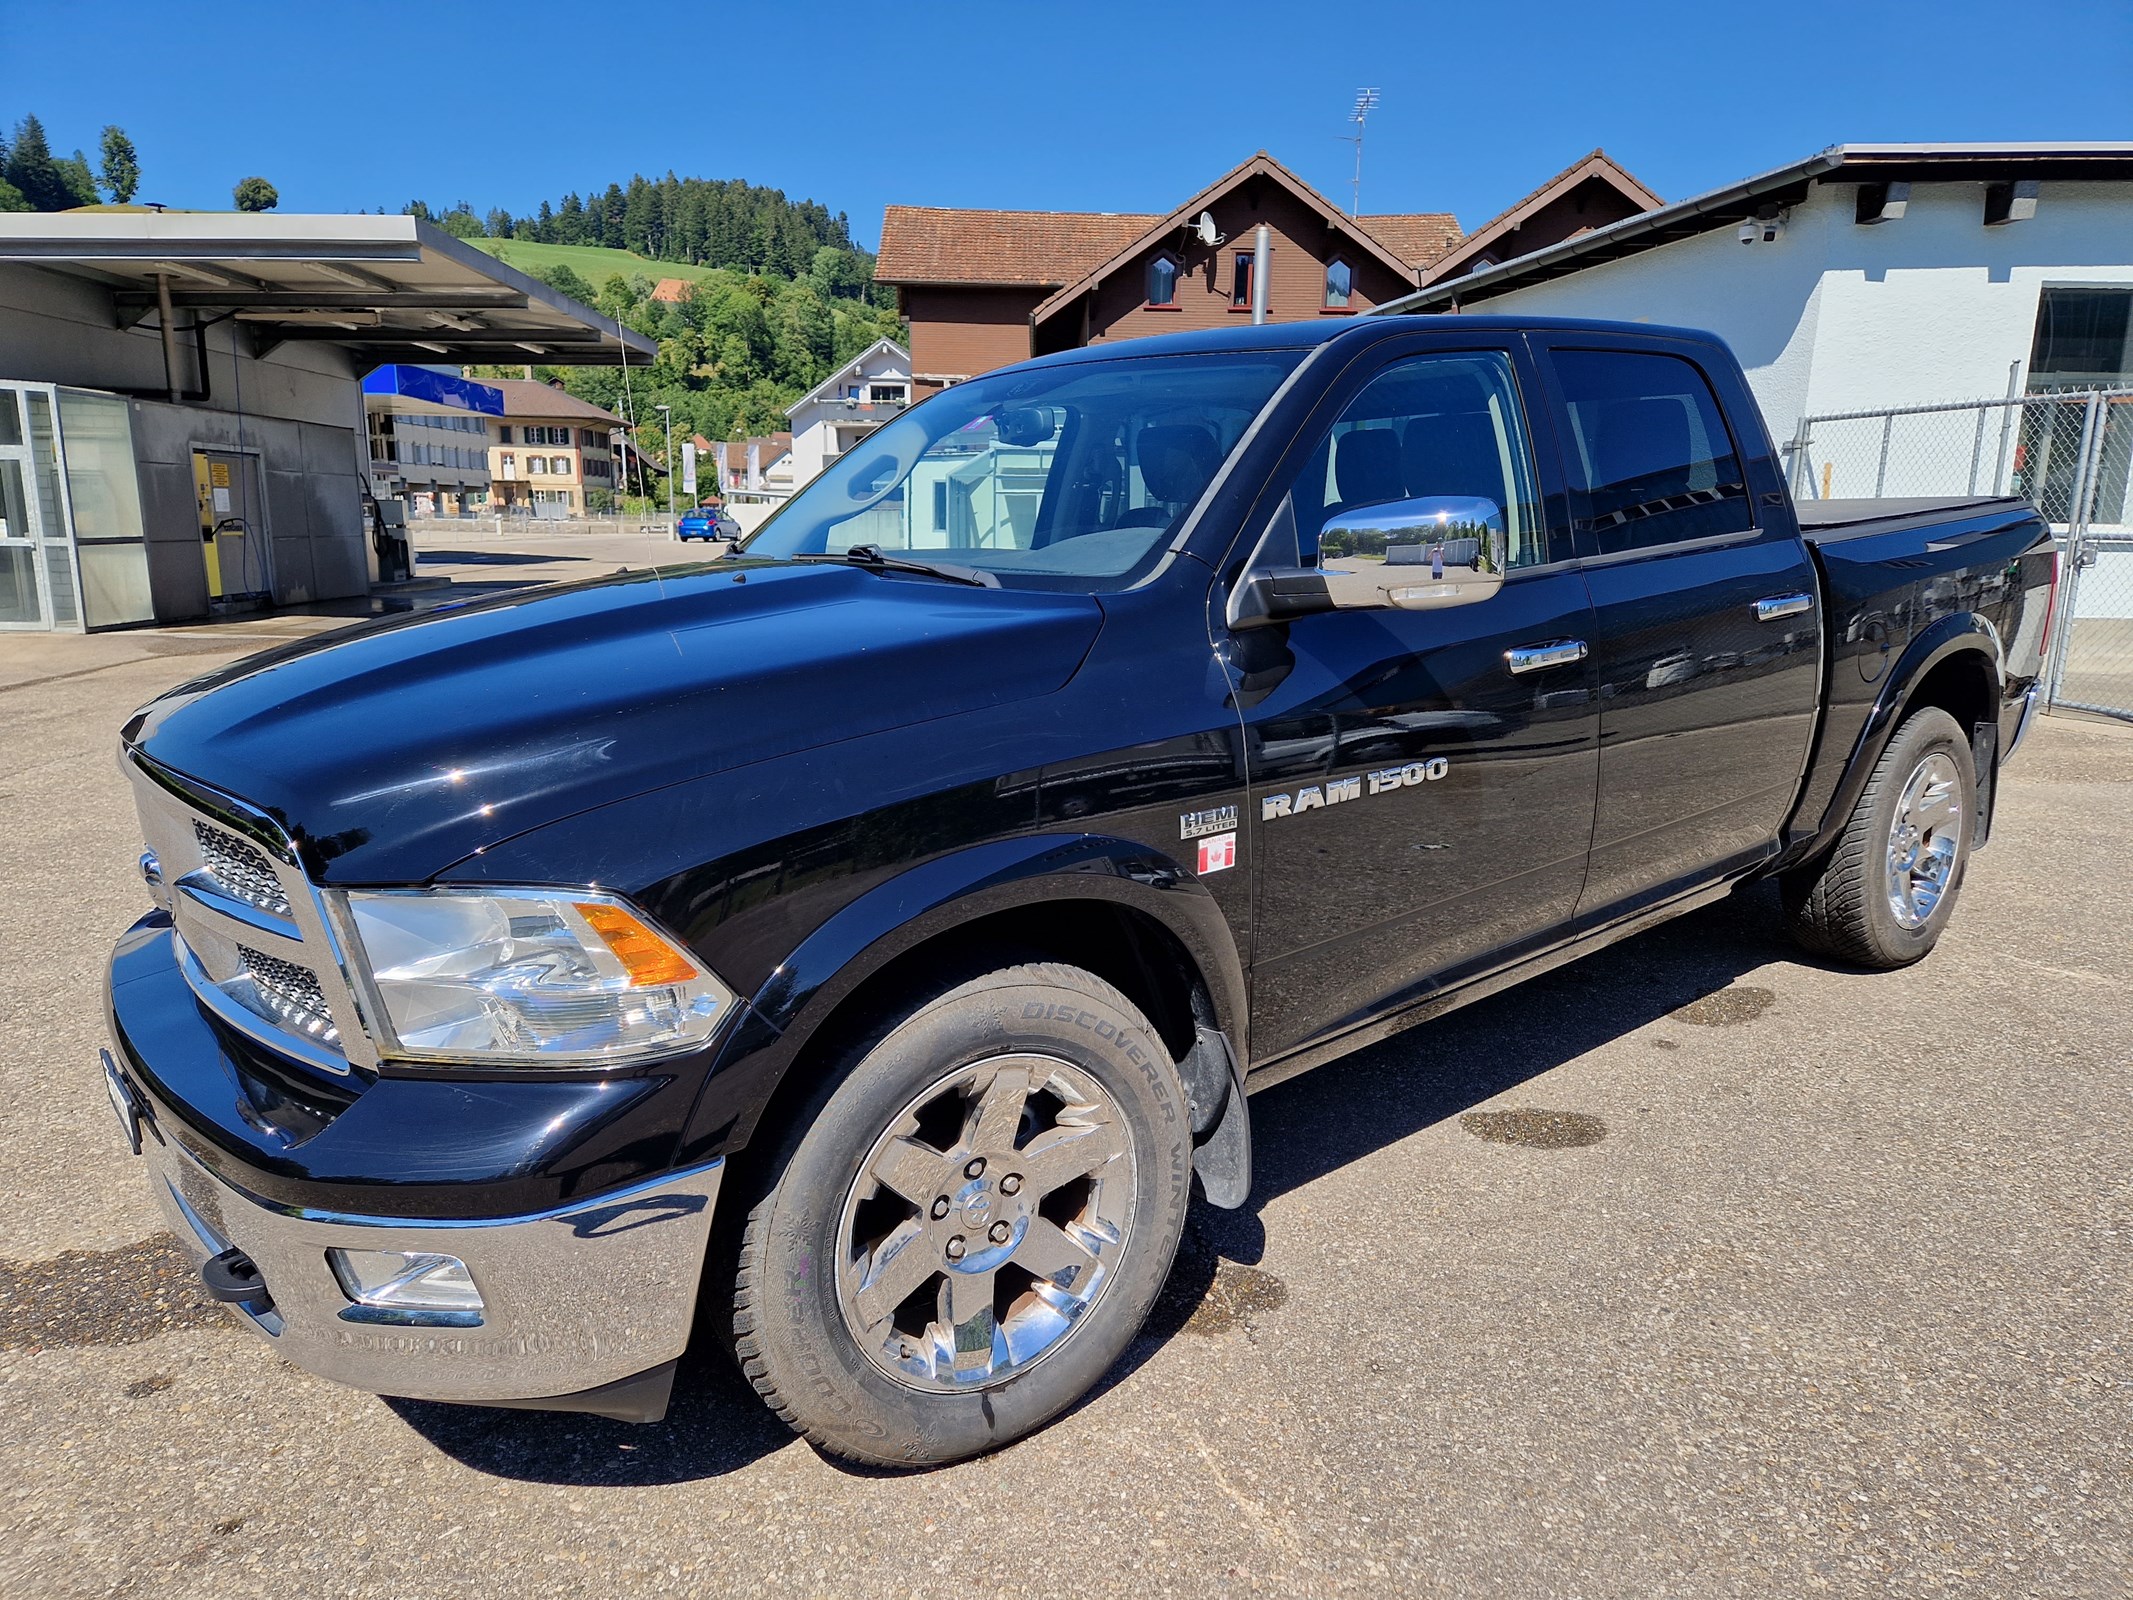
(489, 558)
(1303, 1129)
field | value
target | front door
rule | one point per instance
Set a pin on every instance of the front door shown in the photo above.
(37, 588)
(233, 541)
(1421, 781)
(1707, 650)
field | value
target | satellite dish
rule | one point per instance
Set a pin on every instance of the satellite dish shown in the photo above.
(1205, 228)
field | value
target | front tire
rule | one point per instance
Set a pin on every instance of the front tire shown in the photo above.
(1883, 896)
(967, 1225)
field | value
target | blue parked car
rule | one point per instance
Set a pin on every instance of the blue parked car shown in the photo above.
(705, 522)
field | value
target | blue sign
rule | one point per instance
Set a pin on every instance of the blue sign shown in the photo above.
(430, 387)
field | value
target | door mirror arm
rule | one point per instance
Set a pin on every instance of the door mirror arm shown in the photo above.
(1275, 594)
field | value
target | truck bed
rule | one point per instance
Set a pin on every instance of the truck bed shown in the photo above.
(1828, 521)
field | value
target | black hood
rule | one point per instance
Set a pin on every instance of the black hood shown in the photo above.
(394, 750)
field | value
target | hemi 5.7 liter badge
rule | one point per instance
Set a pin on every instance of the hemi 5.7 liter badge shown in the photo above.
(1199, 824)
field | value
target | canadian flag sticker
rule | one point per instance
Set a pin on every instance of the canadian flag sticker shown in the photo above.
(1218, 854)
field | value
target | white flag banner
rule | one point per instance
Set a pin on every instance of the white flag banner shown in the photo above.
(688, 469)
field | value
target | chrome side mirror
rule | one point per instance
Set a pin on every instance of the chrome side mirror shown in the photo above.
(1417, 555)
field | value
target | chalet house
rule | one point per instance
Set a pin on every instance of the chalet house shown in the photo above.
(1588, 194)
(981, 289)
(872, 388)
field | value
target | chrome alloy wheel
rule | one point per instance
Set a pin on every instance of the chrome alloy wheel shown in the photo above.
(1923, 840)
(985, 1222)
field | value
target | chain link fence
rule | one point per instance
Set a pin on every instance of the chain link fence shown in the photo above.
(2070, 454)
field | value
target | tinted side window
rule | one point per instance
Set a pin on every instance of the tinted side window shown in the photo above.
(1649, 451)
(1430, 427)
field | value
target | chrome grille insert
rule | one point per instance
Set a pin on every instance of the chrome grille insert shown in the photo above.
(242, 870)
(254, 938)
(290, 995)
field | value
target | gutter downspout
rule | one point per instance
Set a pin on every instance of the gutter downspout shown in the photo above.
(170, 344)
(1262, 253)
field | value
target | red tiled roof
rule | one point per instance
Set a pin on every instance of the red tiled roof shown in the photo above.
(941, 244)
(671, 290)
(1415, 236)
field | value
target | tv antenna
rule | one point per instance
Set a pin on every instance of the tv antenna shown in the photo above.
(1366, 101)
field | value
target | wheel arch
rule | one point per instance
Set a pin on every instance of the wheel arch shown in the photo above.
(1123, 910)
(1957, 664)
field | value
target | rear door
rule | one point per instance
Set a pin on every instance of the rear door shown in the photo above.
(1421, 781)
(1707, 638)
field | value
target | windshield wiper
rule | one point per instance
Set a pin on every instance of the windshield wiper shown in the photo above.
(875, 559)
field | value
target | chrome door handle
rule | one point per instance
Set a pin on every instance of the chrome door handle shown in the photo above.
(1784, 605)
(1540, 657)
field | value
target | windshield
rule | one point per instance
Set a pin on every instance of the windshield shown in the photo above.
(1058, 476)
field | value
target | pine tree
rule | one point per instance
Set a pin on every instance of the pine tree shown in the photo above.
(31, 169)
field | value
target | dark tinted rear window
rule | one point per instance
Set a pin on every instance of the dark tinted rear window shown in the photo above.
(1649, 450)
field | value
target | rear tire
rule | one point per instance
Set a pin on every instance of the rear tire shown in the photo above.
(1883, 896)
(964, 1228)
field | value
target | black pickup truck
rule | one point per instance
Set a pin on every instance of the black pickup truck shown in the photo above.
(872, 933)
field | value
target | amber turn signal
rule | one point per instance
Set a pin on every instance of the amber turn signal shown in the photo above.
(648, 959)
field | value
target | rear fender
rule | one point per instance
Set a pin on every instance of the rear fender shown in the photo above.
(1949, 636)
(935, 899)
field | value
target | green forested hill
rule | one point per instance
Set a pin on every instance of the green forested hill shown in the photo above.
(779, 296)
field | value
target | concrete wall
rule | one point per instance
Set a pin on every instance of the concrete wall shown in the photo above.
(1838, 317)
(300, 409)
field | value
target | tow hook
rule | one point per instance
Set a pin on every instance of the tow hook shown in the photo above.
(233, 1278)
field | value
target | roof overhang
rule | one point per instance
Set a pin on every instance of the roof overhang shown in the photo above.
(1261, 166)
(2100, 161)
(387, 289)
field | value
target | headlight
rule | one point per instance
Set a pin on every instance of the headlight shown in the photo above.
(547, 977)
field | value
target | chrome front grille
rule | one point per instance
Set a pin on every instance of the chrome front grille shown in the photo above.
(241, 869)
(252, 936)
(291, 993)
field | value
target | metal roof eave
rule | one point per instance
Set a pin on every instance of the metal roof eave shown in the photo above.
(1678, 221)
(2093, 160)
(113, 249)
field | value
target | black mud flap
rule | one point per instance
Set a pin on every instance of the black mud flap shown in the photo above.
(1985, 765)
(1221, 1120)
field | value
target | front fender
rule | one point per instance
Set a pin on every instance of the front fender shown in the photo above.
(933, 899)
(1948, 636)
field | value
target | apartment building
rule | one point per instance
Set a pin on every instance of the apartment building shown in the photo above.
(553, 454)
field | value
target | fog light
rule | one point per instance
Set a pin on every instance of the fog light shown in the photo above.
(407, 1286)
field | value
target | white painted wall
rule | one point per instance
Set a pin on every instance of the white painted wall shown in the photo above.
(814, 419)
(1838, 317)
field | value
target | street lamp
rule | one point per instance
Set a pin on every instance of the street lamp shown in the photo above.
(666, 415)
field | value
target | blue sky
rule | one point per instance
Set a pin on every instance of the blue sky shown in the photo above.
(1070, 105)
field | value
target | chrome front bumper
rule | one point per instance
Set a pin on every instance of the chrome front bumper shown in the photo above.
(573, 1300)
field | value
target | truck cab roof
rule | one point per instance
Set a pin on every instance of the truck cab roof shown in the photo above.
(1364, 329)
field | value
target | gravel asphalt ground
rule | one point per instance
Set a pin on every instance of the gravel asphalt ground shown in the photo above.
(1694, 1269)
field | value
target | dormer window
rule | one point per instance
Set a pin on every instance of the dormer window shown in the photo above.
(1163, 281)
(1340, 284)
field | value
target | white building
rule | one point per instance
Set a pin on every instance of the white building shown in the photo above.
(868, 390)
(1868, 276)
